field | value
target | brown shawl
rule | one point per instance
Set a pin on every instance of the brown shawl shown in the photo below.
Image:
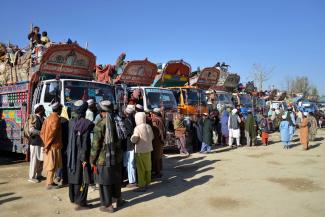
(158, 122)
(51, 132)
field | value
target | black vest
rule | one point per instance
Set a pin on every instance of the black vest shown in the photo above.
(36, 139)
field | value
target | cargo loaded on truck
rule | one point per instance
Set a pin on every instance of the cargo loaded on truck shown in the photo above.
(64, 73)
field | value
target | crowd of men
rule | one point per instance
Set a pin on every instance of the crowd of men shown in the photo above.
(97, 145)
(232, 128)
(101, 146)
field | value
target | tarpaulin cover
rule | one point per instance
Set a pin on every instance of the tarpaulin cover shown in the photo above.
(105, 74)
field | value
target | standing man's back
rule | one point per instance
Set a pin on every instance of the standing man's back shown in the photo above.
(52, 140)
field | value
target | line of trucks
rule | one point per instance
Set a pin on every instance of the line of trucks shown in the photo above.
(66, 73)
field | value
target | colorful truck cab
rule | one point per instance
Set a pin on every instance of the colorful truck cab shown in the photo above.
(64, 72)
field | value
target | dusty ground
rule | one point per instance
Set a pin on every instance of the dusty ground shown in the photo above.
(258, 181)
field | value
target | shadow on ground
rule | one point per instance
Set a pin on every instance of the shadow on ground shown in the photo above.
(6, 197)
(319, 139)
(8, 158)
(314, 146)
(178, 177)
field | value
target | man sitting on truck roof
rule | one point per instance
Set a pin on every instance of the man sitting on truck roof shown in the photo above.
(45, 39)
(34, 37)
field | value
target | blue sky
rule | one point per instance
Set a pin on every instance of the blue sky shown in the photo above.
(288, 36)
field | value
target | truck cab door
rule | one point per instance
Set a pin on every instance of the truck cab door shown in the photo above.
(120, 100)
(48, 95)
(36, 97)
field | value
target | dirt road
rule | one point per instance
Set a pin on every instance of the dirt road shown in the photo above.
(256, 181)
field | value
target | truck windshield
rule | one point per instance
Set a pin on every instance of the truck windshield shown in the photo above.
(157, 97)
(245, 100)
(196, 97)
(76, 90)
(224, 98)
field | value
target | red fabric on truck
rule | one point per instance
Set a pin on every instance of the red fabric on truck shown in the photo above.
(104, 74)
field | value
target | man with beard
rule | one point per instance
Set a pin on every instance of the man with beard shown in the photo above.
(91, 112)
(106, 158)
(158, 129)
(36, 143)
(78, 154)
(129, 156)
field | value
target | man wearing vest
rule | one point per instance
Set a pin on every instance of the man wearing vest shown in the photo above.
(36, 143)
(233, 125)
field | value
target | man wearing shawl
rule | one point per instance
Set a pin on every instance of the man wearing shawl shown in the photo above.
(180, 132)
(62, 173)
(142, 138)
(292, 122)
(198, 134)
(284, 132)
(313, 126)
(129, 156)
(304, 131)
(158, 129)
(250, 129)
(207, 134)
(106, 158)
(78, 154)
(52, 140)
(224, 127)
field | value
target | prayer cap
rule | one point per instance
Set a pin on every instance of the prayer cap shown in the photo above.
(106, 106)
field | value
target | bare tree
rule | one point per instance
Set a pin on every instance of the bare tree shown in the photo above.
(301, 84)
(314, 91)
(261, 74)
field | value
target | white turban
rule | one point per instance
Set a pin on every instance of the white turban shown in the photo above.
(90, 102)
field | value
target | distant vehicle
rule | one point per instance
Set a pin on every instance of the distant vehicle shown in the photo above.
(245, 102)
(189, 91)
(222, 99)
(307, 106)
(259, 104)
(277, 105)
(157, 97)
(190, 100)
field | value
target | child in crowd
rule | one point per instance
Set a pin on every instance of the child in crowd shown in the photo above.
(264, 126)
(44, 38)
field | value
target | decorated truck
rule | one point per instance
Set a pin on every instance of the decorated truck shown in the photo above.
(137, 78)
(62, 72)
(222, 90)
(189, 92)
